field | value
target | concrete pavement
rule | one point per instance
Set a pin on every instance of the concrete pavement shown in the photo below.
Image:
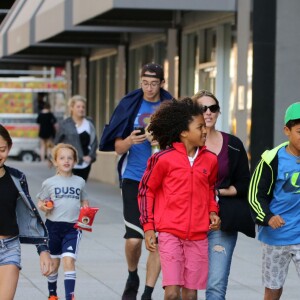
(101, 266)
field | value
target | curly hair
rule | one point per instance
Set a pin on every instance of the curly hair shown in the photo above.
(171, 119)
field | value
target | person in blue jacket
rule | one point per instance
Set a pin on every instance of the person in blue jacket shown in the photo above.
(275, 204)
(126, 135)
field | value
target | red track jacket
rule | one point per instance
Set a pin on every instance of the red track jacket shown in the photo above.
(176, 197)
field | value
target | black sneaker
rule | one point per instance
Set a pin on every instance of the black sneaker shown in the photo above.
(131, 289)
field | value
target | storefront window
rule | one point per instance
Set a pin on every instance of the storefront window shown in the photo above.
(75, 80)
(102, 85)
(155, 52)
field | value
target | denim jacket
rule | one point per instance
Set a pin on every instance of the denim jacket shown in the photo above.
(32, 229)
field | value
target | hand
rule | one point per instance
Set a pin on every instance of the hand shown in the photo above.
(42, 205)
(215, 221)
(87, 159)
(136, 138)
(46, 264)
(149, 135)
(276, 222)
(150, 240)
(230, 191)
(85, 203)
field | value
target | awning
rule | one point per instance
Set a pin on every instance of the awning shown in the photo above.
(6, 23)
(83, 12)
(38, 20)
(52, 18)
(62, 30)
(20, 34)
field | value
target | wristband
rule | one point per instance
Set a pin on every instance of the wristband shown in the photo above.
(218, 192)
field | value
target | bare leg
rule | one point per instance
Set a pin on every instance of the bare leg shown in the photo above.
(153, 268)
(68, 263)
(133, 250)
(188, 294)
(43, 147)
(49, 147)
(9, 276)
(272, 294)
(172, 292)
(55, 265)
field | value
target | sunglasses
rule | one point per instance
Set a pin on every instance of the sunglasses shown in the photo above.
(213, 108)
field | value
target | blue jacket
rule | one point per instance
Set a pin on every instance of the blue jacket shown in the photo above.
(122, 120)
(31, 226)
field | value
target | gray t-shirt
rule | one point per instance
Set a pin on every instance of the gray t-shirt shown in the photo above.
(66, 193)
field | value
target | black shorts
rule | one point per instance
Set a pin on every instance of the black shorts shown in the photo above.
(131, 210)
(63, 239)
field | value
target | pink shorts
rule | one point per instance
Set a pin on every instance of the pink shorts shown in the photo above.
(183, 263)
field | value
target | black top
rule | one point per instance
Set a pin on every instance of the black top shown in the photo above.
(46, 121)
(8, 202)
(85, 142)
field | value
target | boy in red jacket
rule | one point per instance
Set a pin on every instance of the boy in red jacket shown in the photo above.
(177, 197)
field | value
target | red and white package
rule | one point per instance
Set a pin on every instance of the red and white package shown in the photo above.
(86, 218)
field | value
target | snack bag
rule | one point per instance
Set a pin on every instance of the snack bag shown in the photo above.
(86, 218)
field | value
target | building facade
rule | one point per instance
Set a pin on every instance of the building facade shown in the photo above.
(203, 44)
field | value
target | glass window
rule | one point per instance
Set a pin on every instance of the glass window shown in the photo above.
(75, 80)
(102, 85)
(138, 57)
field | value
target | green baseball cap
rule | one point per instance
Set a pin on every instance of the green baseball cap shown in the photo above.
(292, 112)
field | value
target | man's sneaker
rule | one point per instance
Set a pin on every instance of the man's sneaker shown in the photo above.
(52, 297)
(131, 289)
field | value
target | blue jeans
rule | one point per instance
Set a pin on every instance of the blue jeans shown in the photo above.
(220, 250)
(10, 252)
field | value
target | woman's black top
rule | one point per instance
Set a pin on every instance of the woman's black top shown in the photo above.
(8, 202)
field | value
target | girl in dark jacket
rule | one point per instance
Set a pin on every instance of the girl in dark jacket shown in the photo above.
(19, 222)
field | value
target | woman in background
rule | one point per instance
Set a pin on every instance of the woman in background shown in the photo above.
(79, 131)
(47, 123)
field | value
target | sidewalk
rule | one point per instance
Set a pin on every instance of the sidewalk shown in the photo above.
(101, 266)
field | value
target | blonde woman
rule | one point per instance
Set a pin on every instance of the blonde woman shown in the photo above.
(79, 131)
